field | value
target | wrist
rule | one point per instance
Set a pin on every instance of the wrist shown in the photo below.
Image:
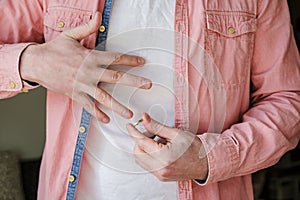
(203, 162)
(27, 66)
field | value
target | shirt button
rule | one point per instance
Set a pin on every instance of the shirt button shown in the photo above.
(72, 179)
(82, 129)
(102, 29)
(60, 24)
(181, 79)
(12, 85)
(231, 30)
(180, 27)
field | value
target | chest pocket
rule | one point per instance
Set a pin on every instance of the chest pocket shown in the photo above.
(58, 19)
(229, 40)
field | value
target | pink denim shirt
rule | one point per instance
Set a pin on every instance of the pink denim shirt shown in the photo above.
(237, 86)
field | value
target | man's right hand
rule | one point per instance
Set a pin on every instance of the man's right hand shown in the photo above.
(64, 66)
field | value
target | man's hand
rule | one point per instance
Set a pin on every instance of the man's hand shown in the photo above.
(181, 157)
(64, 66)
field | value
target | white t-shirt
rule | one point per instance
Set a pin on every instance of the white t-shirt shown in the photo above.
(109, 170)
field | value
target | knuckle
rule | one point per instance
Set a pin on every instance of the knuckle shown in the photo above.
(116, 76)
(163, 175)
(117, 58)
(161, 178)
(139, 81)
(88, 107)
(102, 97)
(156, 127)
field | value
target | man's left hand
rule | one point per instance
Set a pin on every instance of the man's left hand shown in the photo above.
(180, 157)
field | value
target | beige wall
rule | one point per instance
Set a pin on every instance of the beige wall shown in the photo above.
(22, 124)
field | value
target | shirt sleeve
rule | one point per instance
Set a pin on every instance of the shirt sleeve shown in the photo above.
(271, 126)
(23, 22)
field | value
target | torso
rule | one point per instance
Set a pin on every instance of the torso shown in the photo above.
(109, 171)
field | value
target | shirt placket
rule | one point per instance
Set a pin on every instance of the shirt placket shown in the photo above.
(181, 83)
(85, 116)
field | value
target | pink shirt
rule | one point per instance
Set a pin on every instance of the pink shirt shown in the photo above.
(250, 95)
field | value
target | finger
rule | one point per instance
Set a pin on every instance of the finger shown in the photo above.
(143, 159)
(151, 155)
(149, 135)
(112, 76)
(144, 143)
(112, 58)
(80, 32)
(148, 161)
(129, 60)
(159, 129)
(103, 98)
(90, 107)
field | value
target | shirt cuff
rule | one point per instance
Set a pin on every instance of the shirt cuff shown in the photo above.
(222, 157)
(10, 78)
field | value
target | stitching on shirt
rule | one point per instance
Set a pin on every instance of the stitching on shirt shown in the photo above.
(65, 7)
(230, 13)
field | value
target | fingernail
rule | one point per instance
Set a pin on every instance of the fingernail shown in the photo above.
(141, 60)
(128, 114)
(105, 120)
(146, 84)
(147, 117)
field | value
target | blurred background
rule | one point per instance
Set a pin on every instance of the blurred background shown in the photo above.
(22, 137)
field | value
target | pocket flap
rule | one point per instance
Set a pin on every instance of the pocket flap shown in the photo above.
(230, 24)
(60, 18)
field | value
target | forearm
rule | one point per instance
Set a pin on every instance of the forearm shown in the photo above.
(23, 24)
(268, 130)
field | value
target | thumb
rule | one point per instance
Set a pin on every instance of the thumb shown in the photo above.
(80, 32)
(159, 129)
(143, 142)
